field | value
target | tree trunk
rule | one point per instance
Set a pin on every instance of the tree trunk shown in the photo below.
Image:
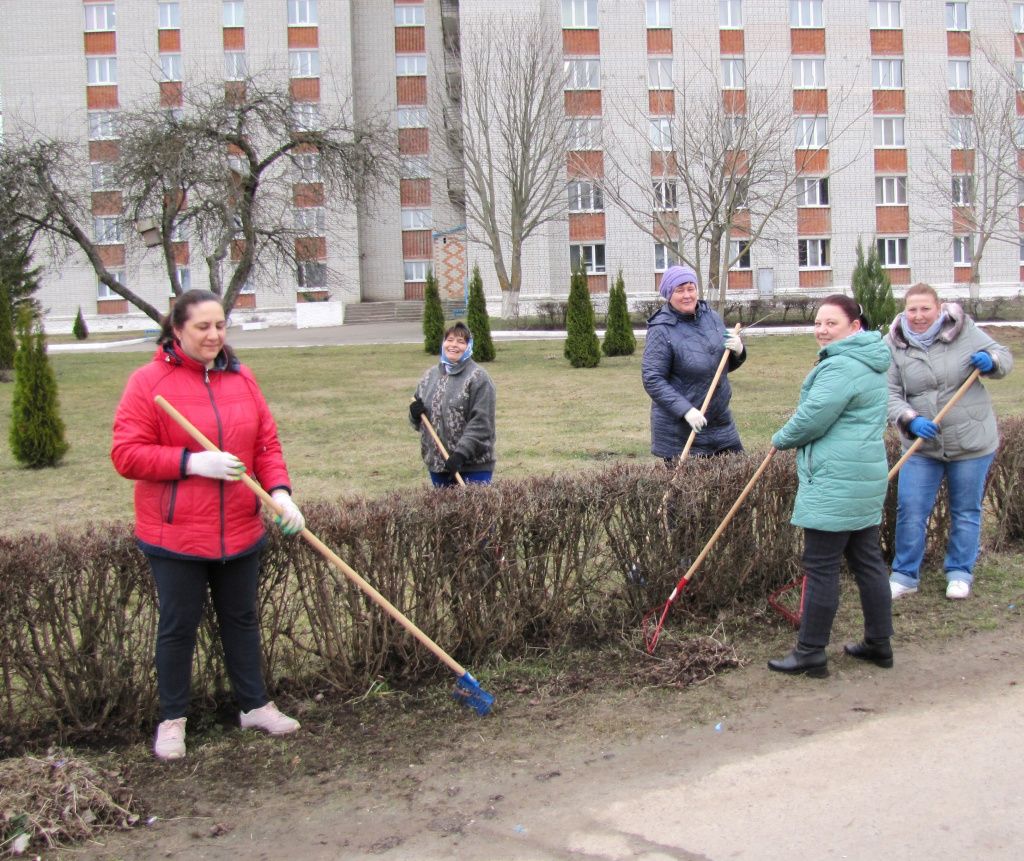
(509, 304)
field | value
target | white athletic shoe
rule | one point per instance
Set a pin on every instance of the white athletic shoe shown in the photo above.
(170, 739)
(898, 590)
(268, 719)
(957, 590)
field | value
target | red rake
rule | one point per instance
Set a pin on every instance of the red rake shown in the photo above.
(652, 629)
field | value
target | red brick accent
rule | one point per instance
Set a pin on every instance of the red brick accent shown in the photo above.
(107, 203)
(100, 44)
(416, 245)
(305, 89)
(813, 221)
(171, 94)
(958, 43)
(961, 160)
(245, 300)
(101, 97)
(964, 220)
(1020, 103)
(586, 225)
(810, 102)
(1018, 45)
(741, 224)
(588, 163)
(898, 276)
(811, 161)
(303, 37)
(111, 306)
(414, 192)
(308, 194)
(581, 43)
(234, 38)
(734, 101)
(961, 274)
(664, 164)
(168, 41)
(887, 43)
(311, 248)
(730, 42)
(182, 254)
(410, 40)
(237, 247)
(1020, 220)
(311, 295)
(666, 227)
(111, 255)
(961, 102)
(812, 279)
(659, 41)
(739, 279)
(413, 141)
(806, 41)
(661, 102)
(737, 161)
(892, 219)
(657, 280)
(890, 161)
(234, 92)
(450, 265)
(412, 90)
(582, 103)
(597, 283)
(1020, 160)
(888, 101)
(414, 291)
(104, 150)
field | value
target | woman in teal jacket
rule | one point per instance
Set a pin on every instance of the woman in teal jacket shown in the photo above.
(838, 431)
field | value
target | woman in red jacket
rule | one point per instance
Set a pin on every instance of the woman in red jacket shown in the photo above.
(197, 523)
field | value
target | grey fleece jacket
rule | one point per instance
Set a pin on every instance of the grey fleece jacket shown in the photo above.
(460, 406)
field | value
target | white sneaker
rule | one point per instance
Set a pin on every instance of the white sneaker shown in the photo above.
(898, 590)
(170, 739)
(268, 719)
(957, 590)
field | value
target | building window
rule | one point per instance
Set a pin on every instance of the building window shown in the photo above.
(813, 253)
(892, 251)
(414, 167)
(590, 257)
(102, 125)
(412, 118)
(1018, 133)
(302, 13)
(958, 73)
(811, 132)
(889, 132)
(659, 13)
(891, 190)
(1018, 17)
(661, 134)
(416, 219)
(184, 278)
(812, 191)
(104, 176)
(956, 16)
(179, 231)
(739, 254)
(235, 67)
(310, 220)
(416, 270)
(664, 256)
(659, 73)
(579, 13)
(100, 17)
(733, 73)
(101, 70)
(730, 14)
(168, 16)
(234, 13)
(887, 74)
(1018, 73)
(410, 65)
(304, 64)
(805, 13)
(585, 197)
(808, 74)
(307, 116)
(103, 292)
(107, 230)
(962, 193)
(170, 67)
(311, 275)
(583, 74)
(963, 250)
(665, 195)
(409, 16)
(734, 128)
(307, 167)
(584, 133)
(961, 135)
(884, 14)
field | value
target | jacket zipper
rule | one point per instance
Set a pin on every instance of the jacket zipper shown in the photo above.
(220, 445)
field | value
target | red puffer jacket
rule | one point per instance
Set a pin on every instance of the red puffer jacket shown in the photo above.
(187, 515)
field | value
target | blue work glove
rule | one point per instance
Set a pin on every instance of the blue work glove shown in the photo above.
(920, 426)
(982, 361)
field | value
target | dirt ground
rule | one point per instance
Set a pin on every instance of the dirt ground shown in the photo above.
(921, 761)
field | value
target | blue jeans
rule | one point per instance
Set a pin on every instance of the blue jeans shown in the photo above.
(443, 479)
(920, 480)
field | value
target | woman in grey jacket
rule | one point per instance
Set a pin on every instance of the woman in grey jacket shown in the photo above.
(935, 347)
(457, 397)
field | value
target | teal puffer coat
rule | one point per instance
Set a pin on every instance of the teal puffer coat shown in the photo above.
(838, 429)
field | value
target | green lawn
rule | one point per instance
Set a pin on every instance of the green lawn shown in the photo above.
(342, 413)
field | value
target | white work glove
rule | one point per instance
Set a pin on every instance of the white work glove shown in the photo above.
(290, 519)
(695, 419)
(220, 465)
(733, 342)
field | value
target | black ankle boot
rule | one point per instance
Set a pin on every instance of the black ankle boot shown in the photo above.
(803, 659)
(879, 652)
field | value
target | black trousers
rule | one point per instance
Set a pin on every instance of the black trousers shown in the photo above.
(182, 586)
(823, 553)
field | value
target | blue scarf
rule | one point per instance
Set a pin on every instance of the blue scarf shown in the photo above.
(454, 367)
(922, 339)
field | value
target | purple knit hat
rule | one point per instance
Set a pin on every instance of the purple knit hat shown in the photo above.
(673, 277)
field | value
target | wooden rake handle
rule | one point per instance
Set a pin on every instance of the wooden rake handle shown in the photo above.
(959, 393)
(320, 547)
(440, 445)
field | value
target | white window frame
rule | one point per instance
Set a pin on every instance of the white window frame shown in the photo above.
(811, 132)
(1018, 73)
(884, 15)
(734, 73)
(179, 231)
(891, 190)
(962, 189)
(302, 13)
(666, 195)
(1018, 133)
(812, 191)
(808, 73)
(660, 134)
(890, 132)
(957, 17)
(583, 73)
(101, 71)
(410, 65)
(108, 229)
(168, 15)
(893, 251)
(1017, 17)
(414, 167)
(306, 167)
(816, 253)
(963, 250)
(585, 196)
(730, 14)
(304, 283)
(579, 14)
(415, 270)
(664, 256)
(417, 219)
(659, 14)
(103, 125)
(236, 67)
(805, 14)
(184, 278)
(739, 251)
(591, 254)
(307, 116)
(961, 133)
(304, 63)
(958, 74)
(310, 220)
(170, 67)
(659, 73)
(103, 292)
(410, 16)
(233, 13)
(104, 176)
(100, 17)
(887, 73)
(412, 118)
(584, 133)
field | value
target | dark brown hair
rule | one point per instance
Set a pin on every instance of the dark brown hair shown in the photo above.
(850, 307)
(180, 313)
(460, 329)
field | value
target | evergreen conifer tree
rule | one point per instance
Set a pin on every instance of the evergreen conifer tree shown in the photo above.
(79, 329)
(582, 348)
(478, 321)
(433, 316)
(17, 284)
(8, 346)
(619, 339)
(873, 289)
(37, 431)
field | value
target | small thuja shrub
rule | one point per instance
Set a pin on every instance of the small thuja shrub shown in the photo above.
(37, 430)
(8, 345)
(79, 329)
(478, 321)
(433, 316)
(619, 339)
(582, 348)
(873, 289)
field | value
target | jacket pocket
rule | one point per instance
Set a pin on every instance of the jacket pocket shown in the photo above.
(171, 501)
